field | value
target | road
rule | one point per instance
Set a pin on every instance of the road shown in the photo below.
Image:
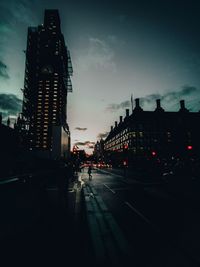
(156, 224)
(47, 226)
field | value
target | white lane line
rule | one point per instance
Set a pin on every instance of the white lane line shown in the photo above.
(138, 213)
(9, 181)
(109, 188)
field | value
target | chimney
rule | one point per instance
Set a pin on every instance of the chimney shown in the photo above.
(137, 105)
(111, 128)
(158, 103)
(127, 112)
(137, 102)
(182, 106)
(158, 106)
(8, 122)
(115, 123)
(120, 119)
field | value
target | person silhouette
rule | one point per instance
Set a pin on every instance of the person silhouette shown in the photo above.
(89, 172)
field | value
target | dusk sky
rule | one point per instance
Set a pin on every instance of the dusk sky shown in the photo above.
(150, 49)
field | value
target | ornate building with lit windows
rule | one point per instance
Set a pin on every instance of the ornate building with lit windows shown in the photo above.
(46, 84)
(150, 134)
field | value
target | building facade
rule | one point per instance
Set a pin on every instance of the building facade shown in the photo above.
(46, 85)
(99, 151)
(150, 134)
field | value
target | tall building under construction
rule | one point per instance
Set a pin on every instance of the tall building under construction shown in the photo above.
(46, 85)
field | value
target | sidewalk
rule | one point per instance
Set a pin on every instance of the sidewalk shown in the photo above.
(57, 236)
(78, 247)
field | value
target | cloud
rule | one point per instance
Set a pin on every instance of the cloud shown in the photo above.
(115, 107)
(190, 94)
(4, 28)
(12, 13)
(169, 96)
(86, 143)
(80, 129)
(170, 99)
(22, 12)
(98, 55)
(102, 135)
(18, 11)
(3, 71)
(10, 104)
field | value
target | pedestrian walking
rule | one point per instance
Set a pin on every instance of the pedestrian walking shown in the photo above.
(90, 172)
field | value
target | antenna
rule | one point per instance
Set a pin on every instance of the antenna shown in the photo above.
(132, 101)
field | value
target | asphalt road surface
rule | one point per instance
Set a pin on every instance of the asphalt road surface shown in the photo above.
(157, 225)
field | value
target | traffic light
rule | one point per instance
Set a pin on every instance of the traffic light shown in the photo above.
(126, 146)
(189, 147)
(153, 153)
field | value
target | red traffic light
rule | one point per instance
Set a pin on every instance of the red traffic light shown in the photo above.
(189, 147)
(126, 146)
(153, 153)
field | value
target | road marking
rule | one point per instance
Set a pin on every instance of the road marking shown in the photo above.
(109, 188)
(129, 180)
(7, 181)
(138, 213)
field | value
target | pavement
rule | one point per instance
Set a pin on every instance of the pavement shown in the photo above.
(44, 227)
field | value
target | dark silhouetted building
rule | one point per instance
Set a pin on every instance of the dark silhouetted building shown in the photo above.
(99, 150)
(46, 84)
(153, 134)
(80, 154)
(10, 149)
